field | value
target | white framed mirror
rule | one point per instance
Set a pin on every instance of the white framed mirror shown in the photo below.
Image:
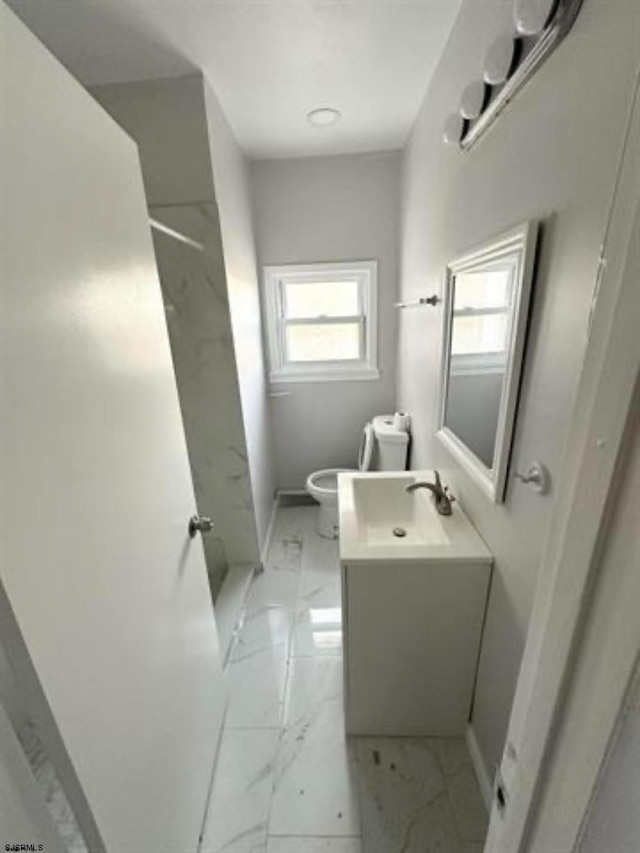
(486, 308)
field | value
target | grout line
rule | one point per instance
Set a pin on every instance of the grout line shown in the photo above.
(288, 675)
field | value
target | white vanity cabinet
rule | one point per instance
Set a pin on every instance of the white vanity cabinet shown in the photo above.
(412, 638)
(413, 611)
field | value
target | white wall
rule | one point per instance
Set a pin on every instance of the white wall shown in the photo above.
(168, 121)
(614, 820)
(552, 155)
(166, 118)
(342, 208)
(233, 195)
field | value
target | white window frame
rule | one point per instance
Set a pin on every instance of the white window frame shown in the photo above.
(481, 363)
(365, 273)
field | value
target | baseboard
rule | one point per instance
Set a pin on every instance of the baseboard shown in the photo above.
(264, 551)
(480, 768)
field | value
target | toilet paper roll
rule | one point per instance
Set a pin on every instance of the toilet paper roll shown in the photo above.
(402, 421)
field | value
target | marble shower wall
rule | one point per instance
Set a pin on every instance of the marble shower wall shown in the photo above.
(197, 310)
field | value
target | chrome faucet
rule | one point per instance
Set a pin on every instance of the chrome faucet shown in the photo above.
(443, 499)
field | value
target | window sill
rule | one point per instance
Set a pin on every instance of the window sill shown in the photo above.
(282, 377)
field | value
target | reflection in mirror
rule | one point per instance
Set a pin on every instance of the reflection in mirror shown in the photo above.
(477, 366)
(486, 309)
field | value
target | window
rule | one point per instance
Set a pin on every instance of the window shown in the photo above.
(321, 321)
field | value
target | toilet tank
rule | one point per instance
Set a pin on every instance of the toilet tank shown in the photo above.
(392, 445)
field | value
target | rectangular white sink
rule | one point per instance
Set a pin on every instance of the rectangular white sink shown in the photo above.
(379, 519)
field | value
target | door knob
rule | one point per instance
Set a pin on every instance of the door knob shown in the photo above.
(537, 476)
(201, 524)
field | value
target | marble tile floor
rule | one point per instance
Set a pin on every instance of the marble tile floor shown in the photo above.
(288, 780)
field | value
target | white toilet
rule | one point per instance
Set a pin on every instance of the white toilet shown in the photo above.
(383, 447)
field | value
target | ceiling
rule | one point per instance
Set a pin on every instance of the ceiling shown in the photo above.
(269, 61)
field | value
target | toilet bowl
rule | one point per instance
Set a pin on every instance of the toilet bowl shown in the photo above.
(382, 447)
(323, 486)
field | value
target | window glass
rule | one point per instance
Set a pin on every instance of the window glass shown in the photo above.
(321, 299)
(484, 333)
(326, 342)
(486, 289)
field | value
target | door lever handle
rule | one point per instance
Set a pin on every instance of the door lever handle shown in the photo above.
(199, 524)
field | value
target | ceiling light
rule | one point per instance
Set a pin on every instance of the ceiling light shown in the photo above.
(324, 116)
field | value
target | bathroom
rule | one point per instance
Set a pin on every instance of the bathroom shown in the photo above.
(338, 188)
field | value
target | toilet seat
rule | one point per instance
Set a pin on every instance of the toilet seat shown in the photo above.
(325, 483)
(323, 487)
(365, 453)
